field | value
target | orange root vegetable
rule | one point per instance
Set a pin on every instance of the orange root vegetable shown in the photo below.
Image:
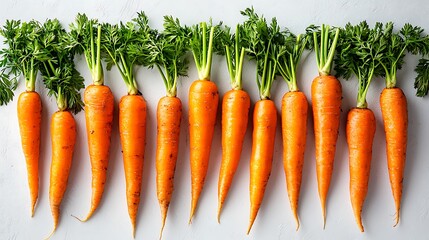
(169, 114)
(294, 131)
(203, 103)
(395, 117)
(360, 132)
(99, 105)
(235, 116)
(29, 118)
(326, 96)
(63, 138)
(132, 130)
(264, 131)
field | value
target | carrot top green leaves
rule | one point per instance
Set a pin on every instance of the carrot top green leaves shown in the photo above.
(232, 46)
(167, 51)
(262, 43)
(122, 45)
(289, 56)
(360, 51)
(21, 39)
(57, 67)
(325, 48)
(85, 38)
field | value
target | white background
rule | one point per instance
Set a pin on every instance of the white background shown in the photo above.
(274, 220)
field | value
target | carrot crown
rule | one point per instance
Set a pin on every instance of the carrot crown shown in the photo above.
(360, 50)
(58, 69)
(325, 49)
(167, 51)
(202, 48)
(19, 58)
(289, 57)
(85, 38)
(232, 47)
(262, 43)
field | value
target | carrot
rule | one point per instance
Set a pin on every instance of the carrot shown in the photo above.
(19, 58)
(169, 111)
(395, 117)
(116, 40)
(203, 103)
(132, 130)
(264, 131)
(360, 127)
(30, 117)
(99, 103)
(63, 82)
(99, 116)
(260, 39)
(360, 132)
(294, 132)
(294, 118)
(393, 102)
(63, 138)
(235, 112)
(326, 100)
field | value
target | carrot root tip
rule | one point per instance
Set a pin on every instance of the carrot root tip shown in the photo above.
(79, 219)
(219, 209)
(396, 219)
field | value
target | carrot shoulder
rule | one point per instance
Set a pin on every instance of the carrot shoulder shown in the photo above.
(264, 131)
(395, 117)
(132, 130)
(63, 138)
(203, 103)
(294, 132)
(360, 132)
(29, 118)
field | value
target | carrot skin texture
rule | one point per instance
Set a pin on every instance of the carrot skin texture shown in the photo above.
(235, 116)
(29, 119)
(203, 103)
(360, 132)
(169, 114)
(326, 94)
(294, 131)
(63, 138)
(264, 131)
(132, 131)
(395, 117)
(99, 105)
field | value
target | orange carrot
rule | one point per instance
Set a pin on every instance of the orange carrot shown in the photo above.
(203, 103)
(294, 132)
(132, 130)
(235, 111)
(326, 98)
(63, 138)
(264, 131)
(169, 114)
(99, 116)
(30, 117)
(85, 34)
(360, 132)
(395, 117)
(294, 120)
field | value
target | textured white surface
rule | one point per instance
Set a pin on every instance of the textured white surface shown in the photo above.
(274, 220)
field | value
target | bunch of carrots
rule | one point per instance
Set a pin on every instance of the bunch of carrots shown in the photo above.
(355, 50)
